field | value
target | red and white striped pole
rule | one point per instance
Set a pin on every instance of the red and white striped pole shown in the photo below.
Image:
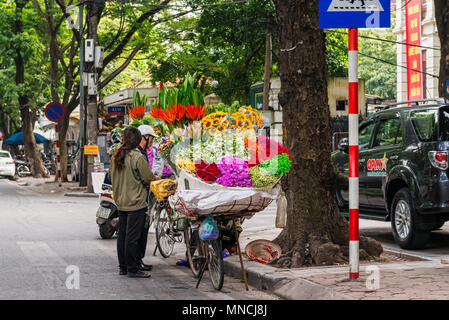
(58, 156)
(353, 119)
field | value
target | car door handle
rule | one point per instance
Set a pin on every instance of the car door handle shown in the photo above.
(394, 157)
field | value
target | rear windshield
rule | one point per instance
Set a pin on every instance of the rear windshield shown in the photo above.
(4, 155)
(444, 123)
(425, 124)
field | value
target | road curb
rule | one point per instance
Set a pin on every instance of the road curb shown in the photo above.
(81, 194)
(280, 283)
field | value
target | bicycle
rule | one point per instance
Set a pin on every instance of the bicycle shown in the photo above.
(167, 227)
(207, 254)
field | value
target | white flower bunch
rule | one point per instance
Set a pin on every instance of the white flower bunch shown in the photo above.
(215, 148)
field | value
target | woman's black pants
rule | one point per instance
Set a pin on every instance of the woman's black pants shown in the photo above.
(130, 227)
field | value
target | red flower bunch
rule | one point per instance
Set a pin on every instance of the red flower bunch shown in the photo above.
(207, 172)
(137, 112)
(264, 149)
(195, 113)
(172, 116)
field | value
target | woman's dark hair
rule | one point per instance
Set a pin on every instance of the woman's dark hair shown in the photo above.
(130, 140)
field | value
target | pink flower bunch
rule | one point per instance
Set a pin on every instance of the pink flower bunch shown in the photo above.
(234, 172)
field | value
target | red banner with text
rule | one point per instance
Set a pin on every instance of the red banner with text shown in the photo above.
(413, 37)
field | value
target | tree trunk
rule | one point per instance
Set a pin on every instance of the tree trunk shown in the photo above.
(442, 20)
(28, 116)
(316, 233)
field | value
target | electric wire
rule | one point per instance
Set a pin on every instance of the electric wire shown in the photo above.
(388, 62)
(390, 41)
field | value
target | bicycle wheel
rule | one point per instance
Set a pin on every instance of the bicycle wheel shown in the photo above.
(215, 259)
(195, 250)
(164, 241)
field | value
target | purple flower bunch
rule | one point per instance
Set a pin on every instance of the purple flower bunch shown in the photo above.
(166, 171)
(234, 172)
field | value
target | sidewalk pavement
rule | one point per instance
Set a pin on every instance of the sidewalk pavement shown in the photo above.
(403, 280)
(50, 186)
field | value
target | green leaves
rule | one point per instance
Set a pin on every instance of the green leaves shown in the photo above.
(185, 94)
(139, 101)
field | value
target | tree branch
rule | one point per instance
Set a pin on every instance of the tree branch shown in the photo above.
(116, 72)
(118, 50)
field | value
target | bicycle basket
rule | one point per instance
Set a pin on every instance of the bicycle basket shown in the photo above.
(160, 188)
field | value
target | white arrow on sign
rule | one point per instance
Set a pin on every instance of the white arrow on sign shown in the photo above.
(355, 5)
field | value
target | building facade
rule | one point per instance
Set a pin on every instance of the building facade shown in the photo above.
(430, 53)
(337, 91)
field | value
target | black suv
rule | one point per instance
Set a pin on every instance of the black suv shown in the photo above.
(403, 169)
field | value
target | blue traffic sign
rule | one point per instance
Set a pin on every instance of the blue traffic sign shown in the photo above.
(354, 14)
(54, 111)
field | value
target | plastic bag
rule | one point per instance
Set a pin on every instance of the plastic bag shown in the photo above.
(209, 229)
(281, 214)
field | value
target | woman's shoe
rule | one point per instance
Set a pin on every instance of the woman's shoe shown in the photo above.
(123, 272)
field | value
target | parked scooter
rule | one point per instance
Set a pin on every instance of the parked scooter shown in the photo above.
(107, 213)
(49, 163)
(23, 168)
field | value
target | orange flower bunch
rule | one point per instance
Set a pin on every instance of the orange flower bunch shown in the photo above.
(178, 116)
(137, 112)
(195, 113)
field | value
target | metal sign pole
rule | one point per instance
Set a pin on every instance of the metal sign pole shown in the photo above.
(353, 119)
(58, 155)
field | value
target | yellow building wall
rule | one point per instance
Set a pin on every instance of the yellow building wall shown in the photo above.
(337, 89)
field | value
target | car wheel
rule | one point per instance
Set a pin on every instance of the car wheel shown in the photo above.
(404, 222)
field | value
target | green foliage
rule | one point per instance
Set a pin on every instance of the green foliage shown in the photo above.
(336, 53)
(184, 94)
(31, 46)
(224, 43)
(224, 108)
(139, 101)
(380, 77)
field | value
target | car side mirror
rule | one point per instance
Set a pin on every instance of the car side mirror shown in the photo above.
(343, 145)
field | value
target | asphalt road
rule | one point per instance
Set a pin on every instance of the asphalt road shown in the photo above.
(50, 248)
(437, 248)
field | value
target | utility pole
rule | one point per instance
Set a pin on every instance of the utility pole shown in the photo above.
(83, 176)
(94, 9)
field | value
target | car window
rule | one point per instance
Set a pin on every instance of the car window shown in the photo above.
(4, 155)
(389, 133)
(425, 124)
(444, 124)
(365, 135)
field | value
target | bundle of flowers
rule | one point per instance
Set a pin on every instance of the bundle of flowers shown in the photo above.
(262, 149)
(137, 112)
(261, 178)
(166, 171)
(165, 148)
(208, 172)
(179, 116)
(246, 118)
(186, 164)
(215, 148)
(277, 166)
(234, 172)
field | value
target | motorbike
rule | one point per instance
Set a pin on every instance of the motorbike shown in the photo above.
(107, 213)
(49, 164)
(23, 168)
